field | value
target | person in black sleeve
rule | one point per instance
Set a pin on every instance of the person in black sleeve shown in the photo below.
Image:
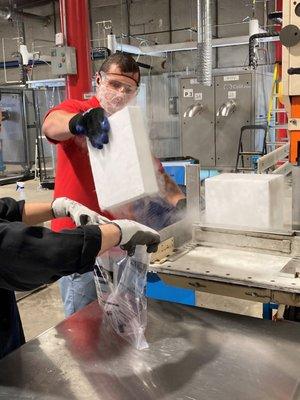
(33, 255)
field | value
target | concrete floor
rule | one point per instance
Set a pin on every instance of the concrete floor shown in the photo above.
(43, 309)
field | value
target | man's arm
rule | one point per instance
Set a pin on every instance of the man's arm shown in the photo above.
(31, 256)
(36, 213)
(62, 125)
(169, 189)
(56, 125)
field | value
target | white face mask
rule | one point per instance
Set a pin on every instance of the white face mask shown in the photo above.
(111, 100)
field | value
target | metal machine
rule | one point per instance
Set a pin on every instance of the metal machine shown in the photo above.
(257, 265)
(211, 117)
(290, 38)
(18, 134)
(263, 266)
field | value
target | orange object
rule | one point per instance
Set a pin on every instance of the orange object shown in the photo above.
(295, 135)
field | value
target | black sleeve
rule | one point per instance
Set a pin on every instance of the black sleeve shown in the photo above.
(10, 209)
(32, 256)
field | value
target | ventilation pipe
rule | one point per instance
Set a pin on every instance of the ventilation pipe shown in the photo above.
(204, 42)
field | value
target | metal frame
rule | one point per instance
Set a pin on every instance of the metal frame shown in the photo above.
(269, 160)
(283, 288)
(28, 162)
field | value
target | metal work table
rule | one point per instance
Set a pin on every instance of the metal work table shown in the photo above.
(194, 354)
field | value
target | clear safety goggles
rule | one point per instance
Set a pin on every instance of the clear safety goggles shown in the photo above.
(112, 82)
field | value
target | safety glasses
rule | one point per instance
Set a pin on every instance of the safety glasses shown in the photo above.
(112, 82)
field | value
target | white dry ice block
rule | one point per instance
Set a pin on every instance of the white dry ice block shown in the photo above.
(123, 170)
(245, 200)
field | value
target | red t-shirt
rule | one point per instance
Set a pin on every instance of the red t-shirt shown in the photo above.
(74, 177)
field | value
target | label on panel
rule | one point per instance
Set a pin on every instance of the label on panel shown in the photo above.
(188, 92)
(231, 78)
(232, 94)
(198, 96)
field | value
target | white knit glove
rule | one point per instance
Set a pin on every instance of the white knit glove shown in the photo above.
(133, 234)
(81, 215)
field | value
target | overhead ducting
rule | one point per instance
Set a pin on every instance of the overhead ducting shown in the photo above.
(204, 42)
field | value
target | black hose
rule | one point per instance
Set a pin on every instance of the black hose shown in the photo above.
(252, 59)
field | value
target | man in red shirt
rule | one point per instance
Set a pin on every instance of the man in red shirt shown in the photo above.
(68, 125)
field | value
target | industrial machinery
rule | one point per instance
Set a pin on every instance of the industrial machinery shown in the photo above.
(253, 264)
(18, 134)
(290, 38)
(257, 265)
(211, 117)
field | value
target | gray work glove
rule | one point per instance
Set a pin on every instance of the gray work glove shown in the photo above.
(134, 234)
(81, 215)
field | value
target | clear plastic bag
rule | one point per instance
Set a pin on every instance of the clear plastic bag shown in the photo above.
(125, 305)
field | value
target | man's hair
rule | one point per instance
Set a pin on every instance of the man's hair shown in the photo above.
(125, 62)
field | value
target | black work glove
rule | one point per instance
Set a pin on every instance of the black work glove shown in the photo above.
(181, 205)
(93, 124)
(5, 115)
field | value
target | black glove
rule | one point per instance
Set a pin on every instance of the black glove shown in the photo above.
(93, 124)
(5, 115)
(181, 205)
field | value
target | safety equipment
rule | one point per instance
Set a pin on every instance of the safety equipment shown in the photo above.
(114, 94)
(92, 123)
(81, 215)
(134, 234)
(111, 81)
(111, 100)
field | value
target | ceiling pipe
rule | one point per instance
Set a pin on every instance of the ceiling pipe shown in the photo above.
(204, 42)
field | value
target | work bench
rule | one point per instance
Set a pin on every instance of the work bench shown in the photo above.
(193, 354)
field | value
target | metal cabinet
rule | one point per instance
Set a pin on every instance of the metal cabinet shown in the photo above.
(211, 132)
(236, 89)
(197, 121)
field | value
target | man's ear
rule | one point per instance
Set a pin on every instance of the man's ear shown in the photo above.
(98, 78)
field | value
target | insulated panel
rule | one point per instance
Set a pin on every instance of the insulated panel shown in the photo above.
(245, 200)
(197, 131)
(123, 170)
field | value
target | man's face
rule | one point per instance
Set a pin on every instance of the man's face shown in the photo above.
(116, 89)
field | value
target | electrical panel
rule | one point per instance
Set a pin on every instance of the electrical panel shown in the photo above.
(18, 130)
(173, 107)
(63, 60)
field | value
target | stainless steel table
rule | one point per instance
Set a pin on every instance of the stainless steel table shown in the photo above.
(194, 354)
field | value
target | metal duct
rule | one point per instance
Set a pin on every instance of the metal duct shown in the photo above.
(204, 42)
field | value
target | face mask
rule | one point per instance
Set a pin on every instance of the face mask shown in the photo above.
(111, 100)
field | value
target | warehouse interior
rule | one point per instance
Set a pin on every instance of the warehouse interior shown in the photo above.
(202, 150)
